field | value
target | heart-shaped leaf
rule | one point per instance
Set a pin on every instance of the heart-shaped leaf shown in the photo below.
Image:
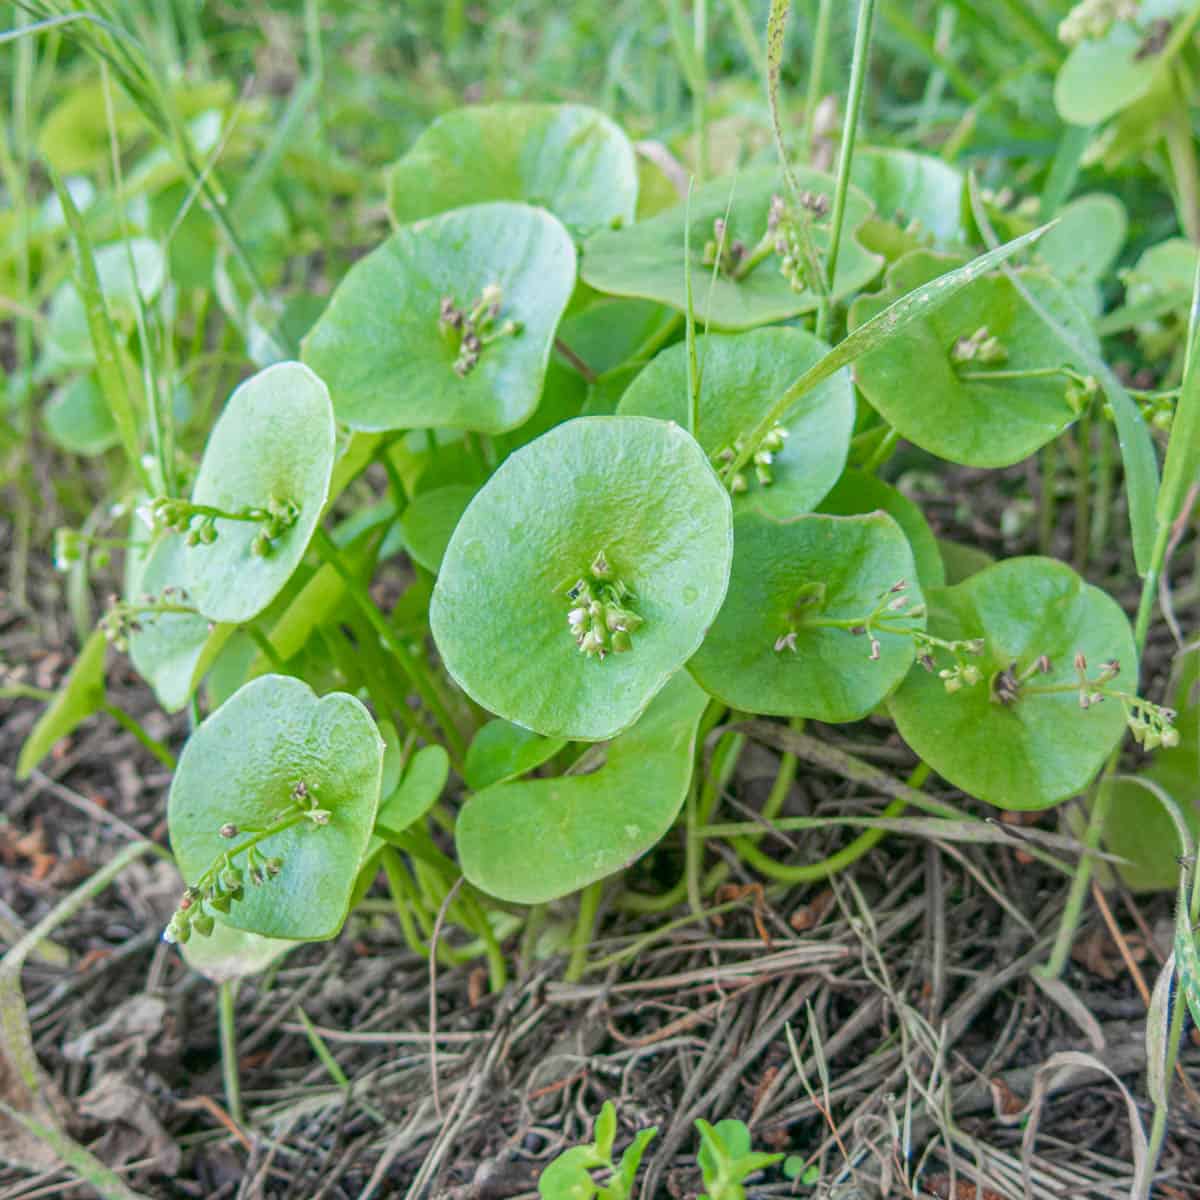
(533, 841)
(267, 758)
(273, 445)
(567, 158)
(395, 342)
(647, 259)
(501, 751)
(78, 419)
(1018, 737)
(605, 534)
(1083, 245)
(858, 492)
(785, 641)
(741, 374)
(951, 408)
(919, 192)
(80, 696)
(428, 522)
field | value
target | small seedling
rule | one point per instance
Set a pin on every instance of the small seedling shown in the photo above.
(726, 1160)
(570, 1176)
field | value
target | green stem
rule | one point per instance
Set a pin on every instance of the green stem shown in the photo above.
(581, 939)
(700, 809)
(700, 88)
(823, 869)
(1048, 464)
(130, 725)
(1181, 151)
(1083, 475)
(266, 647)
(1104, 488)
(408, 664)
(858, 82)
(816, 75)
(882, 452)
(226, 996)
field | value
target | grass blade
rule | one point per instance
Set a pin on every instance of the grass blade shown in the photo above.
(113, 382)
(916, 304)
(1182, 466)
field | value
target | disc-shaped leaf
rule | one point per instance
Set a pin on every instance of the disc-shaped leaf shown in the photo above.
(78, 419)
(532, 841)
(172, 650)
(647, 259)
(1163, 275)
(858, 492)
(242, 767)
(912, 380)
(1040, 747)
(1104, 75)
(429, 520)
(388, 359)
(416, 793)
(1139, 829)
(783, 641)
(917, 191)
(273, 442)
(1085, 240)
(501, 751)
(636, 494)
(228, 953)
(80, 696)
(567, 158)
(742, 375)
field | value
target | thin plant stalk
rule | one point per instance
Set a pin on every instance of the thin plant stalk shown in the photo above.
(131, 725)
(227, 1026)
(700, 86)
(858, 84)
(1083, 490)
(585, 925)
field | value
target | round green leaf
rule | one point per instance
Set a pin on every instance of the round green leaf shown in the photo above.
(423, 782)
(1100, 77)
(1164, 272)
(815, 577)
(637, 491)
(242, 766)
(77, 418)
(275, 439)
(429, 520)
(228, 953)
(960, 561)
(380, 345)
(917, 191)
(647, 259)
(80, 696)
(533, 841)
(742, 375)
(501, 751)
(914, 384)
(1140, 830)
(171, 651)
(566, 158)
(857, 492)
(1041, 747)
(1084, 243)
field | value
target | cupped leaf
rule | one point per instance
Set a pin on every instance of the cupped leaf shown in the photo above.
(785, 641)
(80, 696)
(1141, 832)
(501, 751)
(950, 408)
(857, 492)
(274, 443)
(1163, 276)
(1018, 738)
(1087, 237)
(740, 375)
(244, 766)
(628, 506)
(567, 158)
(1104, 75)
(919, 192)
(428, 522)
(647, 259)
(172, 650)
(424, 779)
(229, 953)
(390, 358)
(533, 841)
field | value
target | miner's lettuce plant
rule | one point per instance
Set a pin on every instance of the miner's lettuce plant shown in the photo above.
(632, 494)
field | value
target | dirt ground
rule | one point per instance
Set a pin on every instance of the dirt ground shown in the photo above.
(905, 984)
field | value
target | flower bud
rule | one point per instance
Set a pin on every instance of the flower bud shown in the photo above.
(228, 830)
(203, 924)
